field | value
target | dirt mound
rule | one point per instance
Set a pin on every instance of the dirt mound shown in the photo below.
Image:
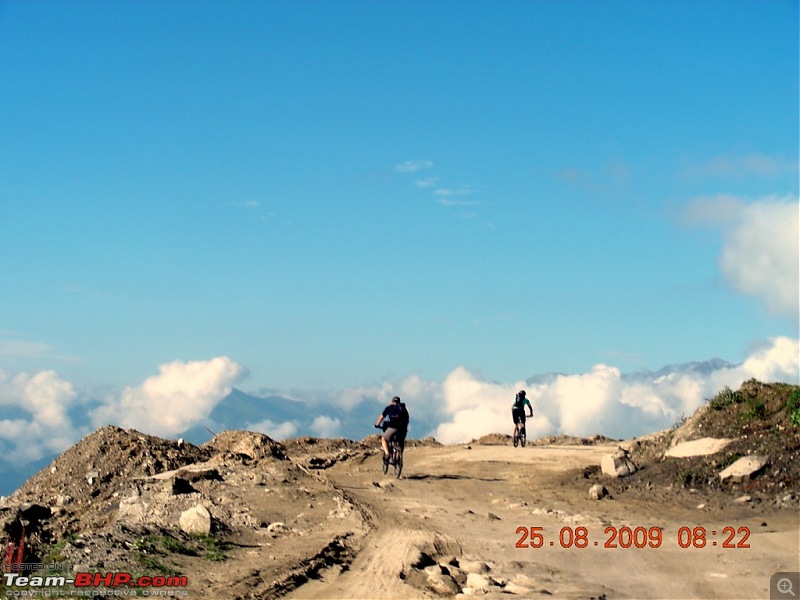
(571, 440)
(117, 501)
(245, 446)
(492, 439)
(428, 442)
(761, 419)
(323, 453)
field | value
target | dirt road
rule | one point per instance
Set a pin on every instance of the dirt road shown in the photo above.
(466, 521)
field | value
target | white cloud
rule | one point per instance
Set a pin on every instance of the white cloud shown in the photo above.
(761, 247)
(412, 166)
(48, 430)
(602, 401)
(427, 181)
(277, 431)
(182, 394)
(326, 427)
(412, 390)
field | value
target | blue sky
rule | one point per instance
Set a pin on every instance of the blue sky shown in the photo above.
(341, 194)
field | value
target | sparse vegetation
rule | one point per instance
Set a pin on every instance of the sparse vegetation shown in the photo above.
(725, 398)
(213, 549)
(756, 408)
(205, 546)
(793, 408)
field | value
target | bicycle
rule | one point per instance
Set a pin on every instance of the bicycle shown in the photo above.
(519, 434)
(395, 458)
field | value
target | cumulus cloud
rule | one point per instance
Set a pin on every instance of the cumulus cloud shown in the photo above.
(41, 425)
(277, 431)
(411, 389)
(761, 248)
(326, 427)
(182, 394)
(602, 400)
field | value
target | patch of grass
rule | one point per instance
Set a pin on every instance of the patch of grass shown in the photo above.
(725, 398)
(212, 548)
(756, 409)
(150, 563)
(793, 408)
(173, 545)
(56, 552)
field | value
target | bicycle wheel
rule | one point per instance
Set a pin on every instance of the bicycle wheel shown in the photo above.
(385, 464)
(516, 437)
(398, 462)
(522, 437)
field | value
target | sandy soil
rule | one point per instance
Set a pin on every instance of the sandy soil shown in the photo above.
(459, 507)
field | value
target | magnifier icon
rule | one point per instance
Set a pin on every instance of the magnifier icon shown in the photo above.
(785, 586)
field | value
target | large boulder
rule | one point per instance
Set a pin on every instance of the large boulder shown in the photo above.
(196, 520)
(617, 465)
(701, 447)
(745, 468)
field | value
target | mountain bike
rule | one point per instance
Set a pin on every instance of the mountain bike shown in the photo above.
(395, 458)
(519, 434)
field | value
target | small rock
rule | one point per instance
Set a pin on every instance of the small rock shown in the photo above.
(475, 566)
(597, 492)
(477, 581)
(743, 499)
(443, 584)
(513, 588)
(278, 528)
(492, 517)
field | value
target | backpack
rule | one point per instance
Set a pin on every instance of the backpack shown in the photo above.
(404, 416)
(519, 402)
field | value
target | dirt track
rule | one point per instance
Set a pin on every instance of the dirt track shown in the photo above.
(459, 506)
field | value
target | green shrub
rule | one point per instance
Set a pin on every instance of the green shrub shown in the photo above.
(725, 398)
(757, 408)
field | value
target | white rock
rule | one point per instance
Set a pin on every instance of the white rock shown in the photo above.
(513, 588)
(474, 566)
(701, 447)
(597, 492)
(617, 465)
(278, 527)
(745, 468)
(196, 520)
(477, 581)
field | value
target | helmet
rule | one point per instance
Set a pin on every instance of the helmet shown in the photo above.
(522, 393)
(396, 399)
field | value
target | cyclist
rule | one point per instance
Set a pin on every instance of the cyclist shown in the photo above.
(518, 409)
(394, 422)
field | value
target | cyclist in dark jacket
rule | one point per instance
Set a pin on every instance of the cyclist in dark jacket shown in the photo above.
(518, 409)
(394, 422)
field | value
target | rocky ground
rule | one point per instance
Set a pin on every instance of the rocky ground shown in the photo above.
(244, 516)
